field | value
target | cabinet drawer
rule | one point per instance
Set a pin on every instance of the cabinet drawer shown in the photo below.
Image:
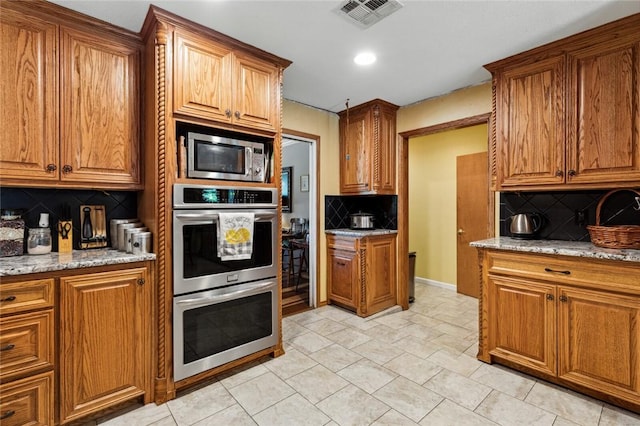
(28, 401)
(340, 242)
(26, 295)
(596, 273)
(26, 343)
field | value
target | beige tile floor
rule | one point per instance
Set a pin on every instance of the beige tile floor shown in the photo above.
(403, 368)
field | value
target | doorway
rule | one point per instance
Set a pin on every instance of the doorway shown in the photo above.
(299, 277)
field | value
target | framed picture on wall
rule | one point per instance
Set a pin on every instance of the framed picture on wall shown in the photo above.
(304, 183)
(287, 175)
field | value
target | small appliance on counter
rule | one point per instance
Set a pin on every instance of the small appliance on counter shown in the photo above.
(361, 220)
(525, 225)
(39, 241)
(11, 232)
(65, 230)
(93, 227)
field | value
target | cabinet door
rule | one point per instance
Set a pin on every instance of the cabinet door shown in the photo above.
(599, 341)
(355, 163)
(604, 115)
(380, 286)
(531, 142)
(255, 95)
(29, 98)
(104, 341)
(100, 118)
(343, 277)
(202, 81)
(522, 323)
(384, 151)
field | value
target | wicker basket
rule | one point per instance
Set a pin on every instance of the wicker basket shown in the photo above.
(617, 236)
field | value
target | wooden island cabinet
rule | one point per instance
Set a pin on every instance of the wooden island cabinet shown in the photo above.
(568, 321)
(361, 272)
(75, 342)
(572, 110)
(71, 99)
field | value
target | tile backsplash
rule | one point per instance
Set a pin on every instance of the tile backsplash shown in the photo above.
(118, 205)
(337, 209)
(561, 211)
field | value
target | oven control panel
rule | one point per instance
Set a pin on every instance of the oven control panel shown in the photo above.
(205, 196)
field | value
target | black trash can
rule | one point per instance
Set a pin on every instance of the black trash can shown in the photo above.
(412, 276)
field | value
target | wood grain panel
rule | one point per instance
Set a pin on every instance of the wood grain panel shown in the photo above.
(255, 97)
(100, 114)
(26, 295)
(599, 340)
(28, 401)
(380, 273)
(604, 130)
(343, 273)
(29, 97)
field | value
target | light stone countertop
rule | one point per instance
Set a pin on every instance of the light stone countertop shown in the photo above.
(565, 248)
(31, 264)
(359, 233)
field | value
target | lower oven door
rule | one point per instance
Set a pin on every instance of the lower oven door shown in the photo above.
(213, 327)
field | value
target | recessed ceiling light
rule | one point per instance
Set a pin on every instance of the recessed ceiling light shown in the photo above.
(364, 58)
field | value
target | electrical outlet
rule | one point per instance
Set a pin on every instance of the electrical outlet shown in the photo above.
(580, 217)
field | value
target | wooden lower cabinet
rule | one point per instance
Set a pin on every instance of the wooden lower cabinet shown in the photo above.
(362, 272)
(104, 340)
(28, 401)
(575, 323)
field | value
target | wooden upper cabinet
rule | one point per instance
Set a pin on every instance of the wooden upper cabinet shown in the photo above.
(531, 140)
(604, 116)
(367, 148)
(29, 97)
(71, 101)
(567, 114)
(100, 117)
(215, 83)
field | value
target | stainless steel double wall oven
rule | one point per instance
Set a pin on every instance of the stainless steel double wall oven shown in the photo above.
(222, 309)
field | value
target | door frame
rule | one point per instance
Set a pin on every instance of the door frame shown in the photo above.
(403, 191)
(314, 217)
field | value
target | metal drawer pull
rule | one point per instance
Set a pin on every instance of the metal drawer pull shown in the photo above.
(7, 347)
(8, 299)
(7, 414)
(557, 272)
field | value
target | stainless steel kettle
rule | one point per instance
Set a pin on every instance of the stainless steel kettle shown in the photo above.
(525, 225)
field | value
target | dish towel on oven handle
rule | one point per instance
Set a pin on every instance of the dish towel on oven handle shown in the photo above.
(235, 235)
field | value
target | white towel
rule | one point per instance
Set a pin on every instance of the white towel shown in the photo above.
(235, 235)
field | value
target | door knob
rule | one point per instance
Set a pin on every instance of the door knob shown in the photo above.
(460, 231)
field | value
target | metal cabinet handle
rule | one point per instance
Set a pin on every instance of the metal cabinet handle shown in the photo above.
(7, 414)
(140, 281)
(554, 271)
(563, 298)
(7, 347)
(237, 114)
(8, 299)
(341, 263)
(550, 297)
(572, 173)
(67, 168)
(559, 173)
(227, 112)
(51, 168)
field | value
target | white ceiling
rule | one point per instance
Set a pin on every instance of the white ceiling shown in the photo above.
(425, 49)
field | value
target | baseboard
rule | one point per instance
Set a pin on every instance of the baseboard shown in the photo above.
(435, 283)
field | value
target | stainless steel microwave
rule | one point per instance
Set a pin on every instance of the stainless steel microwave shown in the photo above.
(217, 157)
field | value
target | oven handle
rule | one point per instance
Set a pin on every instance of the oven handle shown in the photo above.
(215, 215)
(224, 297)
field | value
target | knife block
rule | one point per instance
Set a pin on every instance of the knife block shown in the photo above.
(93, 227)
(65, 240)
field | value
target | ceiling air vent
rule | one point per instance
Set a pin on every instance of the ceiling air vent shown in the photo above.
(367, 12)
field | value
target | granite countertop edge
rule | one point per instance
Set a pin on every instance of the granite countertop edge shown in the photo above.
(77, 259)
(557, 247)
(359, 232)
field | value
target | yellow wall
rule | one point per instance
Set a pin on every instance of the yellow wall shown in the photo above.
(321, 123)
(432, 198)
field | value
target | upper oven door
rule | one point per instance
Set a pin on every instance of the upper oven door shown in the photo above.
(196, 264)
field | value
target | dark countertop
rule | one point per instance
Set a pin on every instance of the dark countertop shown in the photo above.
(565, 248)
(360, 232)
(31, 264)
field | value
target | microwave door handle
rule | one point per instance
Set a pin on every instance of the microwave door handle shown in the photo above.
(249, 156)
(224, 297)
